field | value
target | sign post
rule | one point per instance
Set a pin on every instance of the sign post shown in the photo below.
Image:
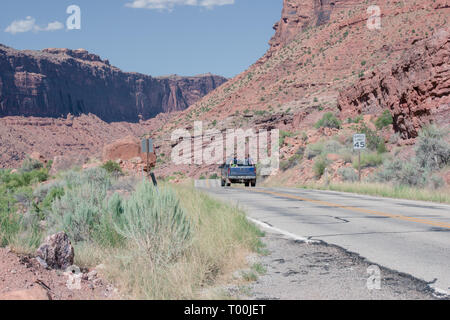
(359, 143)
(147, 147)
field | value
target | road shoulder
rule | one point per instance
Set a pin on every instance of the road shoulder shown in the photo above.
(296, 270)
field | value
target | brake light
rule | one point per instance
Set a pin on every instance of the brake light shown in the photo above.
(229, 170)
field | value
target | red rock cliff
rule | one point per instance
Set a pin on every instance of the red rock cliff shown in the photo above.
(416, 90)
(56, 82)
(297, 15)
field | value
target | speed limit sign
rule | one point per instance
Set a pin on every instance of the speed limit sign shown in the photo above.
(359, 141)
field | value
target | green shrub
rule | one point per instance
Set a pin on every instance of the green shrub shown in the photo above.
(319, 167)
(332, 146)
(42, 190)
(29, 165)
(283, 135)
(348, 174)
(432, 151)
(78, 211)
(402, 173)
(436, 182)
(155, 222)
(384, 120)
(214, 176)
(328, 120)
(112, 167)
(53, 194)
(368, 160)
(9, 222)
(291, 162)
(95, 176)
(381, 147)
(315, 149)
(412, 175)
(390, 171)
(357, 119)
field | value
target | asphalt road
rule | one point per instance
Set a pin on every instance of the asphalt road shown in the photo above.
(411, 237)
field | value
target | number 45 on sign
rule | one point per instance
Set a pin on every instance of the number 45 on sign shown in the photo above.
(359, 141)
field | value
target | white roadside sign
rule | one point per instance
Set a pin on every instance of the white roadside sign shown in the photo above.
(359, 141)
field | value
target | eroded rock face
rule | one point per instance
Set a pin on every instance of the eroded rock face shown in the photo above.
(58, 82)
(416, 89)
(56, 252)
(297, 15)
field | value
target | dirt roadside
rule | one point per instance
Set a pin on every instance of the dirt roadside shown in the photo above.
(296, 270)
(21, 272)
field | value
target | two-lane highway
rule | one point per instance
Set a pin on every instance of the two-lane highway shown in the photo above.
(412, 237)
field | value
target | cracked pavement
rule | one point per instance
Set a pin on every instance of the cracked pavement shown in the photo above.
(410, 237)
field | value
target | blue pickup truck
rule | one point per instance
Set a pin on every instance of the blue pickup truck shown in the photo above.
(238, 171)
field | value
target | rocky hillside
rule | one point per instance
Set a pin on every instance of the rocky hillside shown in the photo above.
(58, 82)
(416, 90)
(324, 58)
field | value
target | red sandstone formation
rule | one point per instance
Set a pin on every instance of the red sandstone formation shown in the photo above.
(58, 82)
(416, 90)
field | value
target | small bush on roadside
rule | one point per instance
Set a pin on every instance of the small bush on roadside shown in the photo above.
(394, 138)
(16, 194)
(29, 165)
(436, 182)
(328, 120)
(332, 146)
(432, 151)
(381, 147)
(319, 167)
(348, 174)
(283, 135)
(9, 222)
(78, 211)
(112, 167)
(357, 119)
(155, 222)
(313, 150)
(291, 162)
(390, 171)
(384, 120)
(371, 159)
(402, 173)
(412, 175)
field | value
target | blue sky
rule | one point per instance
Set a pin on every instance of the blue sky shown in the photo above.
(186, 37)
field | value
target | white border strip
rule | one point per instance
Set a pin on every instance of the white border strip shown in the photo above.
(280, 231)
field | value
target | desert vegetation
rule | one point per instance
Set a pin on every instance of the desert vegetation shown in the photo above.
(167, 243)
(389, 169)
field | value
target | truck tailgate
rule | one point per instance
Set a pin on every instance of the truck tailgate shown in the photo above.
(243, 171)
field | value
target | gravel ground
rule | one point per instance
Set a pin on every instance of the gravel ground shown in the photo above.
(302, 271)
(21, 272)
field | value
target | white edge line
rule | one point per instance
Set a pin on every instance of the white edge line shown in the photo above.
(280, 231)
(439, 292)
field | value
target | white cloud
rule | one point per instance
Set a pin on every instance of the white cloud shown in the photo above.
(170, 4)
(53, 26)
(29, 24)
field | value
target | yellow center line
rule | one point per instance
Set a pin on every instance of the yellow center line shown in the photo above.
(378, 213)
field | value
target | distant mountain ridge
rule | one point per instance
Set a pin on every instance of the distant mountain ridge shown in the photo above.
(57, 82)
